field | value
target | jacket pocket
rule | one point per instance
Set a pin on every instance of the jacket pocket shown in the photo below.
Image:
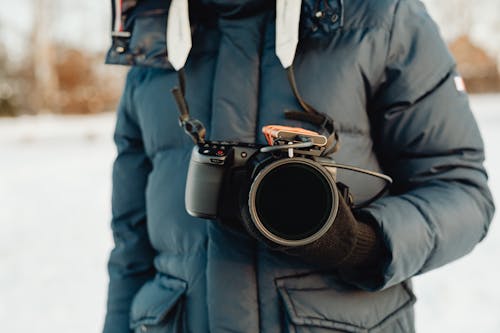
(319, 303)
(158, 306)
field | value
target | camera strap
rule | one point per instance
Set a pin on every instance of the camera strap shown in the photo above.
(192, 126)
(312, 116)
(178, 46)
(287, 38)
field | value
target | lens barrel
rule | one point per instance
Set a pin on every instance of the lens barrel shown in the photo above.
(293, 201)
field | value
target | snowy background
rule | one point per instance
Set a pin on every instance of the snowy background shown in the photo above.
(55, 181)
(55, 177)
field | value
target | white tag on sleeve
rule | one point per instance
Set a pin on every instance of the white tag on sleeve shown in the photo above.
(287, 30)
(178, 33)
(460, 84)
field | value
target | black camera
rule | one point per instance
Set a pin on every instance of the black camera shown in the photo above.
(287, 191)
(288, 188)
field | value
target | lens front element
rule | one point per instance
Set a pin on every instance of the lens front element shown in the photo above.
(293, 201)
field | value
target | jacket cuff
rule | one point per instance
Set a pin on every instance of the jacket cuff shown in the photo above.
(366, 249)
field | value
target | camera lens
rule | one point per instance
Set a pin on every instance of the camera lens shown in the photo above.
(292, 202)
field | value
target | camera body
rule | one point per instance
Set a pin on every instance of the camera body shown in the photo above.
(291, 198)
(211, 172)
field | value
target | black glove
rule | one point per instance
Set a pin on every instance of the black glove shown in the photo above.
(348, 242)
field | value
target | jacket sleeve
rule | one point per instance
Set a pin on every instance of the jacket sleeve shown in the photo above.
(429, 143)
(131, 261)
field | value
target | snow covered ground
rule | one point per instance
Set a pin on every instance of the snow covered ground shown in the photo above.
(55, 237)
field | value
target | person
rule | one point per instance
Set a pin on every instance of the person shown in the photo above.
(382, 72)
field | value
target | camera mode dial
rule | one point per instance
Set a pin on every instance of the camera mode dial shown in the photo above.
(212, 149)
(214, 153)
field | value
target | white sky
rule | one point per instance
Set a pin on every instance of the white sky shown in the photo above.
(79, 23)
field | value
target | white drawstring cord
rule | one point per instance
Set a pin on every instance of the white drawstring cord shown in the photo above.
(179, 32)
(287, 30)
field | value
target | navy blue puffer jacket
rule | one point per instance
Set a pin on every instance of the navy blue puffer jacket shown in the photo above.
(381, 70)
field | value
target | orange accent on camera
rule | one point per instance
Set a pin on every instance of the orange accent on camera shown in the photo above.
(271, 132)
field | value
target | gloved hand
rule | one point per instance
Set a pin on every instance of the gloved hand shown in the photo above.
(348, 243)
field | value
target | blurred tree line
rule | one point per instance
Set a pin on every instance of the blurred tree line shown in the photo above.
(74, 83)
(472, 29)
(64, 80)
(481, 72)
